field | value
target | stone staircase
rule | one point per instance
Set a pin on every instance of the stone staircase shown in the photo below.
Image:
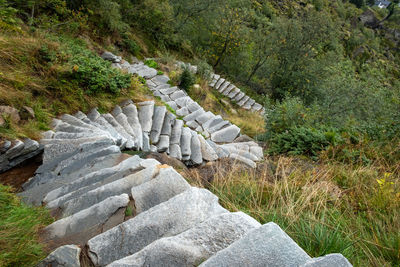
(235, 94)
(113, 209)
(121, 210)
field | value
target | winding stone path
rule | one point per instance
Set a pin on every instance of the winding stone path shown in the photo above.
(113, 209)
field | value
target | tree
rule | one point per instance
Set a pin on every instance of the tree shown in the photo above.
(298, 51)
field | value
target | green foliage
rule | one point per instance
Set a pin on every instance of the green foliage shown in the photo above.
(131, 46)
(7, 13)
(204, 70)
(187, 79)
(151, 63)
(19, 225)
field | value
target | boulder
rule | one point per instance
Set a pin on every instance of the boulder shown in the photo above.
(7, 111)
(66, 256)
(226, 135)
(267, 245)
(169, 218)
(27, 113)
(207, 151)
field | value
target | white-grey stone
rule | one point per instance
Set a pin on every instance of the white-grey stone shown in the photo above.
(243, 101)
(63, 192)
(330, 260)
(223, 86)
(257, 151)
(178, 94)
(239, 96)
(234, 93)
(186, 138)
(5, 146)
(165, 98)
(160, 79)
(169, 121)
(203, 118)
(167, 184)
(228, 90)
(192, 107)
(215, 79)
(120, 129)
(14, 151)
(146, 110)
(219, 83)
(256, 107)
(176, 132)
(243, 159)
(146, 142)
(111, 57)
(267, 245)
(131, 113)
(86, 219)
(168, 91)
(249, 104)
(226, 135)
(216, 127)
(183, 101)
(163, 144)
(118, 187)
(169, 218)
(195, 147)
(175, 151)
(65, 256)
(207, 151)
(194, 115)
(93, 114)
(195, 245)
(182, 112)
(192, 124)
(212, 122)
(153, 148)
(173, 105)
(158, 120)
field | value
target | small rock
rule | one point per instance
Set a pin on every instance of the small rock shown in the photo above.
(66, 256)
(9, 111)
(27, 113)
(331, 260)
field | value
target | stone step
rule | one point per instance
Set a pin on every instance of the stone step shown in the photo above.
(169, 218)
(122, 119)
(239, 96)
(145, 112)
(186, 138)
(215, 79)
(158, 120)
(163, 144)
(243, 159)
(267, 245)
(82, 226)
(195, 147)
(243, 100)
(175, 151)
(131, 113)
(167, 184)
(195, 245)
(41, 184)
(85, 183)
(176, 132)
(102, 192)
(223, 86)
(233, 93)
(228, 90)
(130, 143)
(160, 79)
(226, 135)
(169, 121)
(219, 83)
(207, 151)
(106, 126)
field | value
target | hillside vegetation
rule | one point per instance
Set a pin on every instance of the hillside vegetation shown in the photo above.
(327, 72)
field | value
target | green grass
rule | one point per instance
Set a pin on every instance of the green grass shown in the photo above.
(19, 225)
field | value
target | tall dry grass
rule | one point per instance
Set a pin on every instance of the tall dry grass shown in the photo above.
(325, 207)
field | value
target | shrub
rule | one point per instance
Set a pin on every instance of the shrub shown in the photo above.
(187, 79)
(151, 63)
(204, 70)
(131, 46)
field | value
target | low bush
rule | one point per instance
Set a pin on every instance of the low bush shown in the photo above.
(151, 63)
(187, 79)
(204, 70)
(131, 46)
